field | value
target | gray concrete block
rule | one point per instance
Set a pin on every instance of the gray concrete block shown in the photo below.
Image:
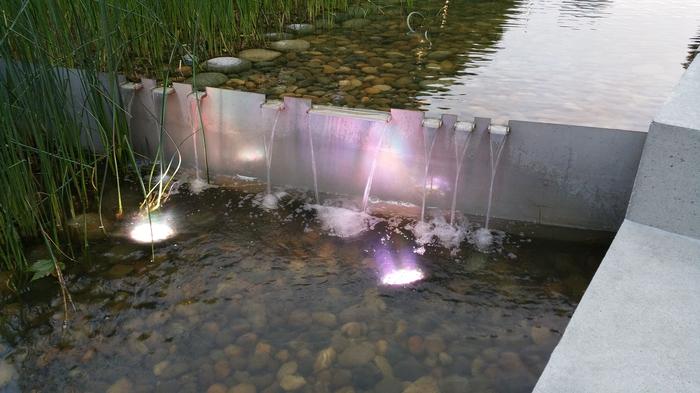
(666, 193)
(636, 328)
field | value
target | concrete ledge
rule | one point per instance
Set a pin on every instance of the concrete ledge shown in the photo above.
(637, 326)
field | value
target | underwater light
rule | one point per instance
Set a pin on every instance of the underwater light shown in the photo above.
(402, 276)
(145, 232)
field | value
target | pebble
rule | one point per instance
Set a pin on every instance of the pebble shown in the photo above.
(227, 65)
(291, 383)
(7, 373)
(440, 55)
(355, 23)
(243, 388)
(301, 28)
(259, 55)
(369, 70)
(541, 335)
(326, 319)
(354, 329)
(454, 384)
(122, 385)
(434, 344)
(207, 79)
(423, 385)
(324, 359)
(416, 345)
(384, 366)
(290, 45)
(217, 388)
(288, 368)
(356, 355)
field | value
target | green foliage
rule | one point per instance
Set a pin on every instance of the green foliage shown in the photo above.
(43, 268)
(55, 161)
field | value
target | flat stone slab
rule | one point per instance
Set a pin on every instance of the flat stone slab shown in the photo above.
(208, 79)
(258, 55)
(301, 28)
(637, 328)
(290, 45)
(227, 65)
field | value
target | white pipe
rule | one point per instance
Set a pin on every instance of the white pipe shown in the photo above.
(431, 122)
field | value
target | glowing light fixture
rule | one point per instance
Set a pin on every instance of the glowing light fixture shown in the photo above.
(402, 276)
(145, 232)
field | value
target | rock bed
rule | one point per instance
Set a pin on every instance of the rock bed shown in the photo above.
(370, 63)
(252, 301)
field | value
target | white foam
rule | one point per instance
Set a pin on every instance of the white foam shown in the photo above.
(440, 231)
(342, 222)
(487, 240)
(268, 201)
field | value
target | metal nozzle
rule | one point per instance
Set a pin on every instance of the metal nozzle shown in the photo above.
(431, 122)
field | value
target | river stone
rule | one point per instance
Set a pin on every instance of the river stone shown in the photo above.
(356, 355)
(440, 55)
(122, 385)
(277, 36)
(324, 318)
(259, 55)
(288, 368)
(409, 369)
(90, 225)
(290, 45)
(207, 79)
(301, 28)
(227, 65)
(243, 388)
(292, 382)
(454, 384)
(423, 385)
(389, 385)
(355, 23)
(7, 373)
(324, 359)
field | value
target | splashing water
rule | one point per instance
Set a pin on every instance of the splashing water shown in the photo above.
(440, 231)
(370, 177)
(428, 155)
(343, 222)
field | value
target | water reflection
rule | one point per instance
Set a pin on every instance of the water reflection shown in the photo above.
(693, 49)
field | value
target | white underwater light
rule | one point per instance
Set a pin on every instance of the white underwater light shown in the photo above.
(154, 232)
(402, 276)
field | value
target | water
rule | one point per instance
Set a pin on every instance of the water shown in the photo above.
(370, 176)
(195, 123)
(540, 60)
(459, 156)
(313, 158)
(268, 151)
(499, 141)
(240, 293)
(429, 139)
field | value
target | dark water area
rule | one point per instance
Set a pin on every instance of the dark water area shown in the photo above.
(244, 299)
(605, 63)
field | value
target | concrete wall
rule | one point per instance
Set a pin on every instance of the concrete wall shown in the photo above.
(578, 177)
(636, 328)
(667, 189)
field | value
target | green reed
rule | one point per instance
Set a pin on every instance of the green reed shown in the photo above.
(64, 133)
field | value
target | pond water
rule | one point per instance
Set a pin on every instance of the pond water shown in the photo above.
(606, 63)
(245, 299)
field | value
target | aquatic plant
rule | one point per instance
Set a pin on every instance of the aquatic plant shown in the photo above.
(49, 177)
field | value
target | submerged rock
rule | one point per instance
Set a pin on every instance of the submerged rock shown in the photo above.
(440, 55)
(207, 79)
(227, 65)
(7, 374)
(301, 28)
(324, 359)
(355, 23)
(278, 36)
(259, 55)
(357, 355)
(292, 382)
(90, 225)
(290, 45)
(122, 385)
(423, 385)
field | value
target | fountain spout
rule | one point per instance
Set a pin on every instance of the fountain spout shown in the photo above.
(462, 137)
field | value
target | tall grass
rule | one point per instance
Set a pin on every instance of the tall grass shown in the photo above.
(56, 160)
